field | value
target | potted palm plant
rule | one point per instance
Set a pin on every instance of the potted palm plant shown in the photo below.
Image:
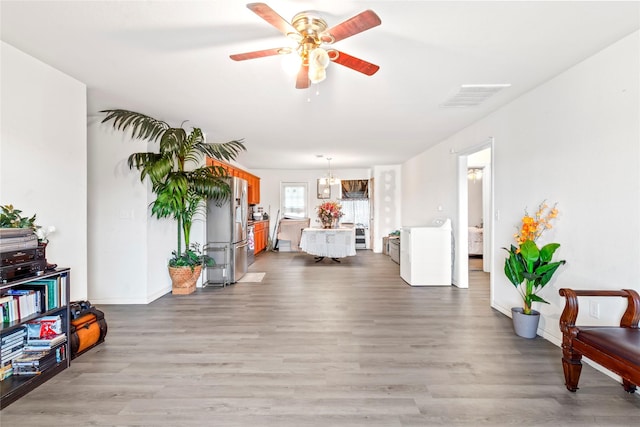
(179, 181)
(530, 268)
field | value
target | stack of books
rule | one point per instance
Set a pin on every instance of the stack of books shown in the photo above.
(44, 333)
(34, 363)
(43, 347)
(12, 347)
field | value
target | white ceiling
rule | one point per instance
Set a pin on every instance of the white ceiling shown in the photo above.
(170, 60)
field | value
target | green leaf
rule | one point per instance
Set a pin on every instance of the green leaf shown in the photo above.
(547, 251)
(513, 267)
(529, 251)
(547, 271)
(535, 297)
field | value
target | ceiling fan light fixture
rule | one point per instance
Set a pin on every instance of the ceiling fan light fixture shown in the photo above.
(318, 58)
(291, 64)
(316, 75)
(309, 31)
(318, 61)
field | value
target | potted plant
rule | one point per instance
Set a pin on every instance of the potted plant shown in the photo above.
(179, 181)
(530, 268)
(11, 217)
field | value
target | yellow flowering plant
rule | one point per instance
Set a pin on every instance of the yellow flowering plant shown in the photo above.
(528, 267)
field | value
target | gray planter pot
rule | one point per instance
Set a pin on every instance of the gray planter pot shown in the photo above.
(525, 325)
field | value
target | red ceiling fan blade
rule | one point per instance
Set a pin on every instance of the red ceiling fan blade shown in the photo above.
(302, 81)
(359, 23)
(272, 17)
(352, 62)
(260, 53)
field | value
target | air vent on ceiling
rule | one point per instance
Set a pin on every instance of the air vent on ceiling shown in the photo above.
(473, 95)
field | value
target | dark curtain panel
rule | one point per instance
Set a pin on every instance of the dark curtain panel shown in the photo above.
(355, 188)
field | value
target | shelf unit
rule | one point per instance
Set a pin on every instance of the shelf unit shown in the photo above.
(16, 386)
(218, 274)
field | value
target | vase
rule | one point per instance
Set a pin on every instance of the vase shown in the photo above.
(184, 279)
(525, 325)
(329, 223)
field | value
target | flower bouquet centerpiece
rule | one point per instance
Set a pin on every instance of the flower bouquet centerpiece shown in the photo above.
(528, 267)
(329, 213)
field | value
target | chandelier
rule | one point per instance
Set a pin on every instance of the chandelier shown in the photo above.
(329, 179)
(474, 174)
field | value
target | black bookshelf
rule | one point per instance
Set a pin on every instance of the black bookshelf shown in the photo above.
(16, 386)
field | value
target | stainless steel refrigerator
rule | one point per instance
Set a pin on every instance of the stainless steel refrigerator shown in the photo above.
(227, 226)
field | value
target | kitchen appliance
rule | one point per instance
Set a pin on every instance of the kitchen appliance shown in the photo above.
(425, 254)
(251, 245)
(227, 224)
(362, 236)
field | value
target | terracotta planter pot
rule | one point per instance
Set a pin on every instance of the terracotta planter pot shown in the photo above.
(183, 279)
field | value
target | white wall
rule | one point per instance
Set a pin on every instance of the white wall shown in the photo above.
(387, 201)
(43, 155)
(574, 140)
(129, 250)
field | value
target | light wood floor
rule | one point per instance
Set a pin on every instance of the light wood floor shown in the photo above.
(322, 344)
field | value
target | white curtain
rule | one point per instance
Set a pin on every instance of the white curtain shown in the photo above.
(355, 211)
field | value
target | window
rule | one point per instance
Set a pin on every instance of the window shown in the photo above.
(355, 189)
(293, 199)
(355, 211)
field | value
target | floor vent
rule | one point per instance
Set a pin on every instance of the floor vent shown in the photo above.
(473, 95)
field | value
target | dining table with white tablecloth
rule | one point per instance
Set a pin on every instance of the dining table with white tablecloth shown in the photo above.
(329, 242)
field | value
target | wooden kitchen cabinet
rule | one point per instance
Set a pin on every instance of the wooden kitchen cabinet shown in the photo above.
(253, 191)
(260, 235)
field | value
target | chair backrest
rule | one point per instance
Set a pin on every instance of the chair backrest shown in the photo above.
(291, 229)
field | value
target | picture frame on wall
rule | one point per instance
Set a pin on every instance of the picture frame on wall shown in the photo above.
(324, 190)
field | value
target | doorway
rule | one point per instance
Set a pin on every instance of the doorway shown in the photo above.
(474, 235)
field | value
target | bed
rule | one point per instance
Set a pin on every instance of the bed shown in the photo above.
(475, 241)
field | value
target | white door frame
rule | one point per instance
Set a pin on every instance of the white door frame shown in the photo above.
(461, 235)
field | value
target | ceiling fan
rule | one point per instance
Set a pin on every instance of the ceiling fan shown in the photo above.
(310, 32)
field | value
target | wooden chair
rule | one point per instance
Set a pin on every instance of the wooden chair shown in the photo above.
(616, 348)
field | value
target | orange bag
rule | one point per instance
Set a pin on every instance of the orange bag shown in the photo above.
(87, 331)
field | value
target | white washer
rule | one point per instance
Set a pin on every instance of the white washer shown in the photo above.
(425, 255)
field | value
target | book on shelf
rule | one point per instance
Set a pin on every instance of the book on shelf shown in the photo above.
(45, 344)
(34, 359)
(26, 302)
(10, 348)
(9, 358)
(53, 286)
(32, 369)
(42, 288)
(44, 333)
(12, 340)
(6, 372)
(34, 363)
(16, 334)
(44, 327)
